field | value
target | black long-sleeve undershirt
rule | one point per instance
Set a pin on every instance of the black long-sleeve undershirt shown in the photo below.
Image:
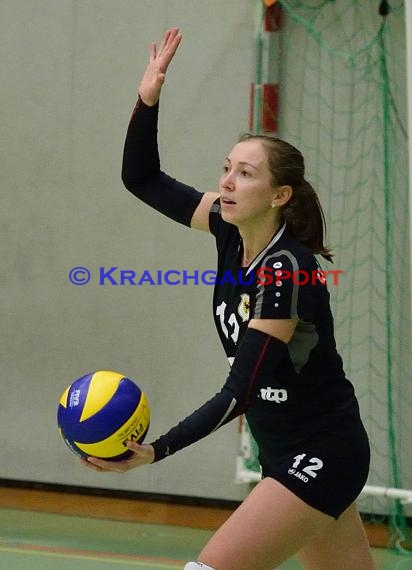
(141, 172)
(256, 360)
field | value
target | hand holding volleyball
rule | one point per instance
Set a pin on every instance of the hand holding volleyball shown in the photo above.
(154, 76)
(143, 454)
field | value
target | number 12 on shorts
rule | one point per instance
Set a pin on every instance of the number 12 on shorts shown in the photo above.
(314, 465)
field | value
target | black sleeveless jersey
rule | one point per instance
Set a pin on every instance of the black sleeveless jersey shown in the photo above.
(309, 389)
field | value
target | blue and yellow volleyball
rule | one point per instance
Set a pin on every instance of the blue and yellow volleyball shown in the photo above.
(100, 412)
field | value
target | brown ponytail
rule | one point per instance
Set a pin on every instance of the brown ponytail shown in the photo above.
(303, 212)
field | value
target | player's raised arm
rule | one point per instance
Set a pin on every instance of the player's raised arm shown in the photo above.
(141, 173)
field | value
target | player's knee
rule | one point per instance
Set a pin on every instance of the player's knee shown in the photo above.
(197, 566)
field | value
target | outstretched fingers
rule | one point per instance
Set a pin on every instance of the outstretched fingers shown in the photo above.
(167, 50)
(169, 38)
(154, 76)
(170, 42)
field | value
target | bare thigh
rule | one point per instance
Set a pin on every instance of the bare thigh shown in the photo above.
(269, 527)
(342, 545)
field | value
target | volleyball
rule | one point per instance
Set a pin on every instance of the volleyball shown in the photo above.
(100, 412)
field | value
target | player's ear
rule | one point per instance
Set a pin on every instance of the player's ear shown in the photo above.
(282, 195)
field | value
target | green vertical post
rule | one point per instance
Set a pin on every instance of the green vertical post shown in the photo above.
(257, 95)
(386, 103)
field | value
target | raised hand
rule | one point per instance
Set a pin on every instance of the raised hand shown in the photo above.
(142, 455)
(154, 76)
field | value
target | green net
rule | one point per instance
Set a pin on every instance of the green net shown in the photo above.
(342, 102)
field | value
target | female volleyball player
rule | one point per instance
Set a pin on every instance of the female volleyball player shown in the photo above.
(271, 307)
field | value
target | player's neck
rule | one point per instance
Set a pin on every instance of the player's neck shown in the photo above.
(254, 240)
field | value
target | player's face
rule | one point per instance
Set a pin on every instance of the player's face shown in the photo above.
(246, 189)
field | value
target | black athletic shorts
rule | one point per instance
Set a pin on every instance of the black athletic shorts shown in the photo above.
(327, 470)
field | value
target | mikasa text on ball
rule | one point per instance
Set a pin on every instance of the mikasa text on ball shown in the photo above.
(100, 412)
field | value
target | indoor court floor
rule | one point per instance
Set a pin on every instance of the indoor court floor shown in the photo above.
(30, 539)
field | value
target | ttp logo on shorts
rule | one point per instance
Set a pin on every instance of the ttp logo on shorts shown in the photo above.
(277, 395)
